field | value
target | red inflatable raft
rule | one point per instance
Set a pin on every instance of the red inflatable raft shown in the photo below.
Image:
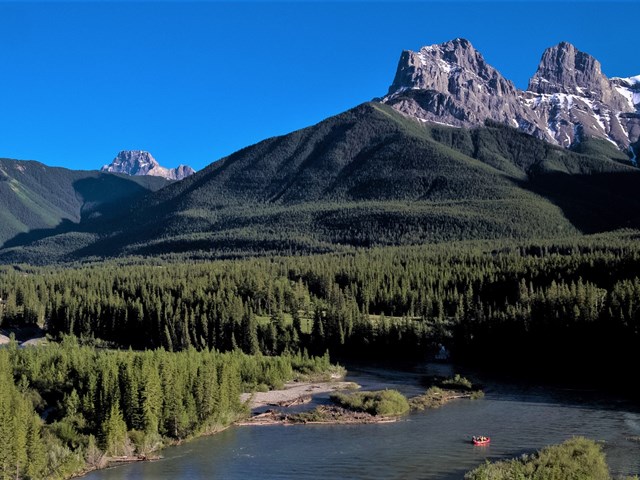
(481, 440)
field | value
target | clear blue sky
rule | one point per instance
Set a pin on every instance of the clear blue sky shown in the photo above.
(193, 82)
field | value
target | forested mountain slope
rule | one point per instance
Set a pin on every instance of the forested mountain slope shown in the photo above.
(35, 196)
(369, 176)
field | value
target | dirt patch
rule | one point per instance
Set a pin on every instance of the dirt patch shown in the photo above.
(293, 393)
(35, 342)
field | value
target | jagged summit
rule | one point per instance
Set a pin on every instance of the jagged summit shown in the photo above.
(452, 83)
(565, 69)
(567, 99)
(446, 67)
(573, 96)
(433, 66)
(140, 162)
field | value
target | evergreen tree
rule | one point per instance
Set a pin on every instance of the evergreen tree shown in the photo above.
(114, 433)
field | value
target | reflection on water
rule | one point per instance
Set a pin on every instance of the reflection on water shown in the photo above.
(427, 445)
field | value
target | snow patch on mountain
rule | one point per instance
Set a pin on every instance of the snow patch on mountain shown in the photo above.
(140, 162)
(452, 84)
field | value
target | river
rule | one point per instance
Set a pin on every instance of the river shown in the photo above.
(428, 445)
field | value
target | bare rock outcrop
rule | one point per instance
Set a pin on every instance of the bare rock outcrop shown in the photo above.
(452, 84)
(567, 99)
(139, 162)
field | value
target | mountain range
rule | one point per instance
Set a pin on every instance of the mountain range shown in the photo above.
(453, 152)
(567, 99)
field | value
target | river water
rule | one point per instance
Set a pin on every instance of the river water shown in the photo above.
(428, 445)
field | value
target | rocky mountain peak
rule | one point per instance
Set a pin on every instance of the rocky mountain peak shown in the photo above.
(140, 162)
(132, 162)
(575, 98)
(568, 98)
(447, 67)
(565, 69)
(452, 83)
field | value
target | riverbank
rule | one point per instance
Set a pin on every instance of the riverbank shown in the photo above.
(109, 462)
(293, 393)
(100, 461)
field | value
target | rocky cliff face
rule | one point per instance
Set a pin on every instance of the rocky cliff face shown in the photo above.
(574, 98)
(139, 162)
(452, 84)
(564, 69)
(568, 97)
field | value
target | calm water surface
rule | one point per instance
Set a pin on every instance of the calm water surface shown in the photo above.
(429, 445)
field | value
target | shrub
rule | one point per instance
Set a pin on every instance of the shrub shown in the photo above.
(575, 459)
(458, 382)
(382, 402)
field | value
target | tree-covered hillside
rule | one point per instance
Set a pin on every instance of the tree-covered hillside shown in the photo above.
(36, 197)
(367, 177)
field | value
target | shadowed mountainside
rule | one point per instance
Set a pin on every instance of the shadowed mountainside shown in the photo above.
(36, 197)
